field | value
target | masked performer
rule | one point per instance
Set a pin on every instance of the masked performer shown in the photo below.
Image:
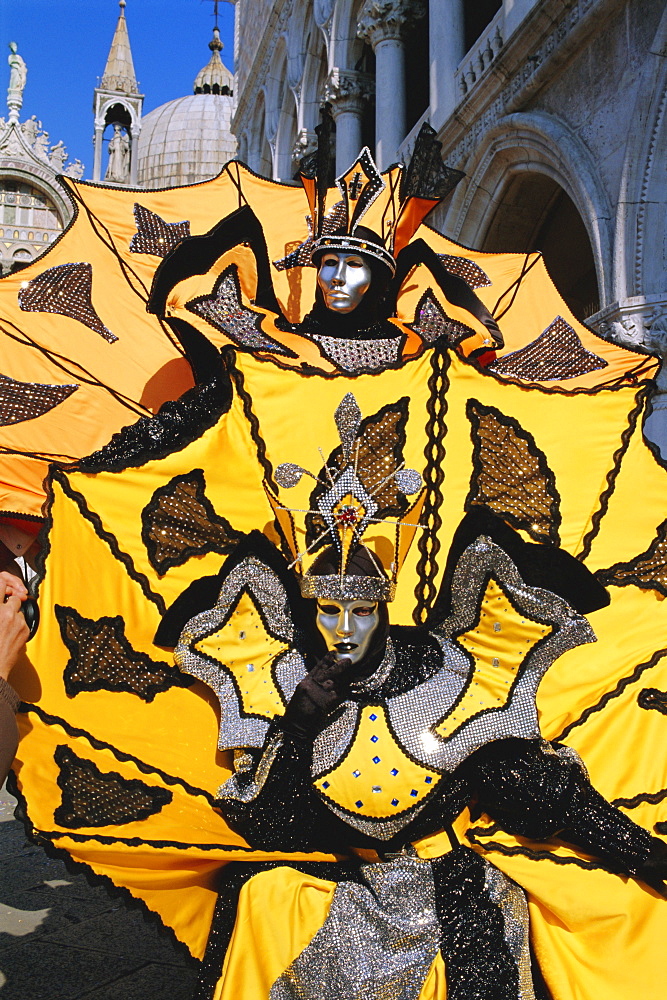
(388, 738)
(123, 753)
(353, 326)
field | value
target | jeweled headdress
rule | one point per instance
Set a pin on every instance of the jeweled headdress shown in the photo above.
(391, 208)
(363, 483)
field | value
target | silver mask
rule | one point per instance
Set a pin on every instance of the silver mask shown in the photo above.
(347, 626)
(344, 279)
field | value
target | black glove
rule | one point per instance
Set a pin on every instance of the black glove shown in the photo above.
(316, 696)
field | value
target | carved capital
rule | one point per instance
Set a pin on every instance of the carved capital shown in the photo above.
(383, 20)
(348, 90)
(305, 144)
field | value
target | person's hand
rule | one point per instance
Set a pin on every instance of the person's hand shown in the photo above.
(317, 695)
(13, 629)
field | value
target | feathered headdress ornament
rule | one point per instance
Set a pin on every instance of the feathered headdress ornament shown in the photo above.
(361, 485)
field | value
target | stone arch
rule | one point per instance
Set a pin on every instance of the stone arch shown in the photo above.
(133, 115)
(540, 146)
(640, 242)
(258, 148)
(301, 25)
(314, 79)
(285, 140)
(275, 89)
(346, 48)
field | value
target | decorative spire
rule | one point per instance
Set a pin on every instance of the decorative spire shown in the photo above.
(214, 78)
(119, 71)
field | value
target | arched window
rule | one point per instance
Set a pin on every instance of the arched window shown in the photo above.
(535, 213)
(22, 204)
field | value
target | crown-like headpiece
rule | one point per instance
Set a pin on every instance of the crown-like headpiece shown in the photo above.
(362, 484)
(392, 208)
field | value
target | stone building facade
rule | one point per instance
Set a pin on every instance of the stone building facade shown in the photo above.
(555, 110)
(34, 209)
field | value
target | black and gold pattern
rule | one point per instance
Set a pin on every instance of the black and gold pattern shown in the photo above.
(301, 255)
(432, 322)
(65, 289)
(377, 452)
(180, 522)
(101, 658)
(511, 474)
(647, 570)
(91, 797)
(466, 269)
(556, 354)
(154, 235)
(26, 400)
(224, 310)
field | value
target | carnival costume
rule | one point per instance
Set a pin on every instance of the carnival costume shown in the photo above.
(126, 758)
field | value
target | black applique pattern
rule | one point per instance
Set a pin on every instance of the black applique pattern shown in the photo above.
(651, 698)
(428, 542)
(556, 354)
(154, 235)
(479, 963)
(511, 474)
(432, 322)
(224, 310)
(466, 269)
(647, 570)
(26, 400)
(179, 522)
(101, 658)
(66, 290)
(427, 176)
(175, 425)
(380, 437)
(91, 797)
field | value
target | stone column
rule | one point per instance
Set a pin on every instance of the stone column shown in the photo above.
(348, 91)
(134, 155)
(446, 50)
(381, 23)
(97, 150)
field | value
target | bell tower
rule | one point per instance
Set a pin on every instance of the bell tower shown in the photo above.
(117, 106)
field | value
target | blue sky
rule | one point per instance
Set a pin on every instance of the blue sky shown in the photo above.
(65, 45)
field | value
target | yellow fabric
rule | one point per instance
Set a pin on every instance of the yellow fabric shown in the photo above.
(279, 913)
(117, 382)
(176, 732)
(595, 934)
(376, 756)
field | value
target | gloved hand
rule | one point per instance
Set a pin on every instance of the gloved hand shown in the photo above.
(316, 696)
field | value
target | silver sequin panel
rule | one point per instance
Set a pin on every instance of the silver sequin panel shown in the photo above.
(413, 714)
(378, 942)
(334, 741)
(356, 356)
(518, 717)
(247, 781)
(268, 592)
(511, 900)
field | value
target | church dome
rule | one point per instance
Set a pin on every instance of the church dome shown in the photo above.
(190, 139)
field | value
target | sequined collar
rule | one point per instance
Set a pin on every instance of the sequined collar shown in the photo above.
(368, 685)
